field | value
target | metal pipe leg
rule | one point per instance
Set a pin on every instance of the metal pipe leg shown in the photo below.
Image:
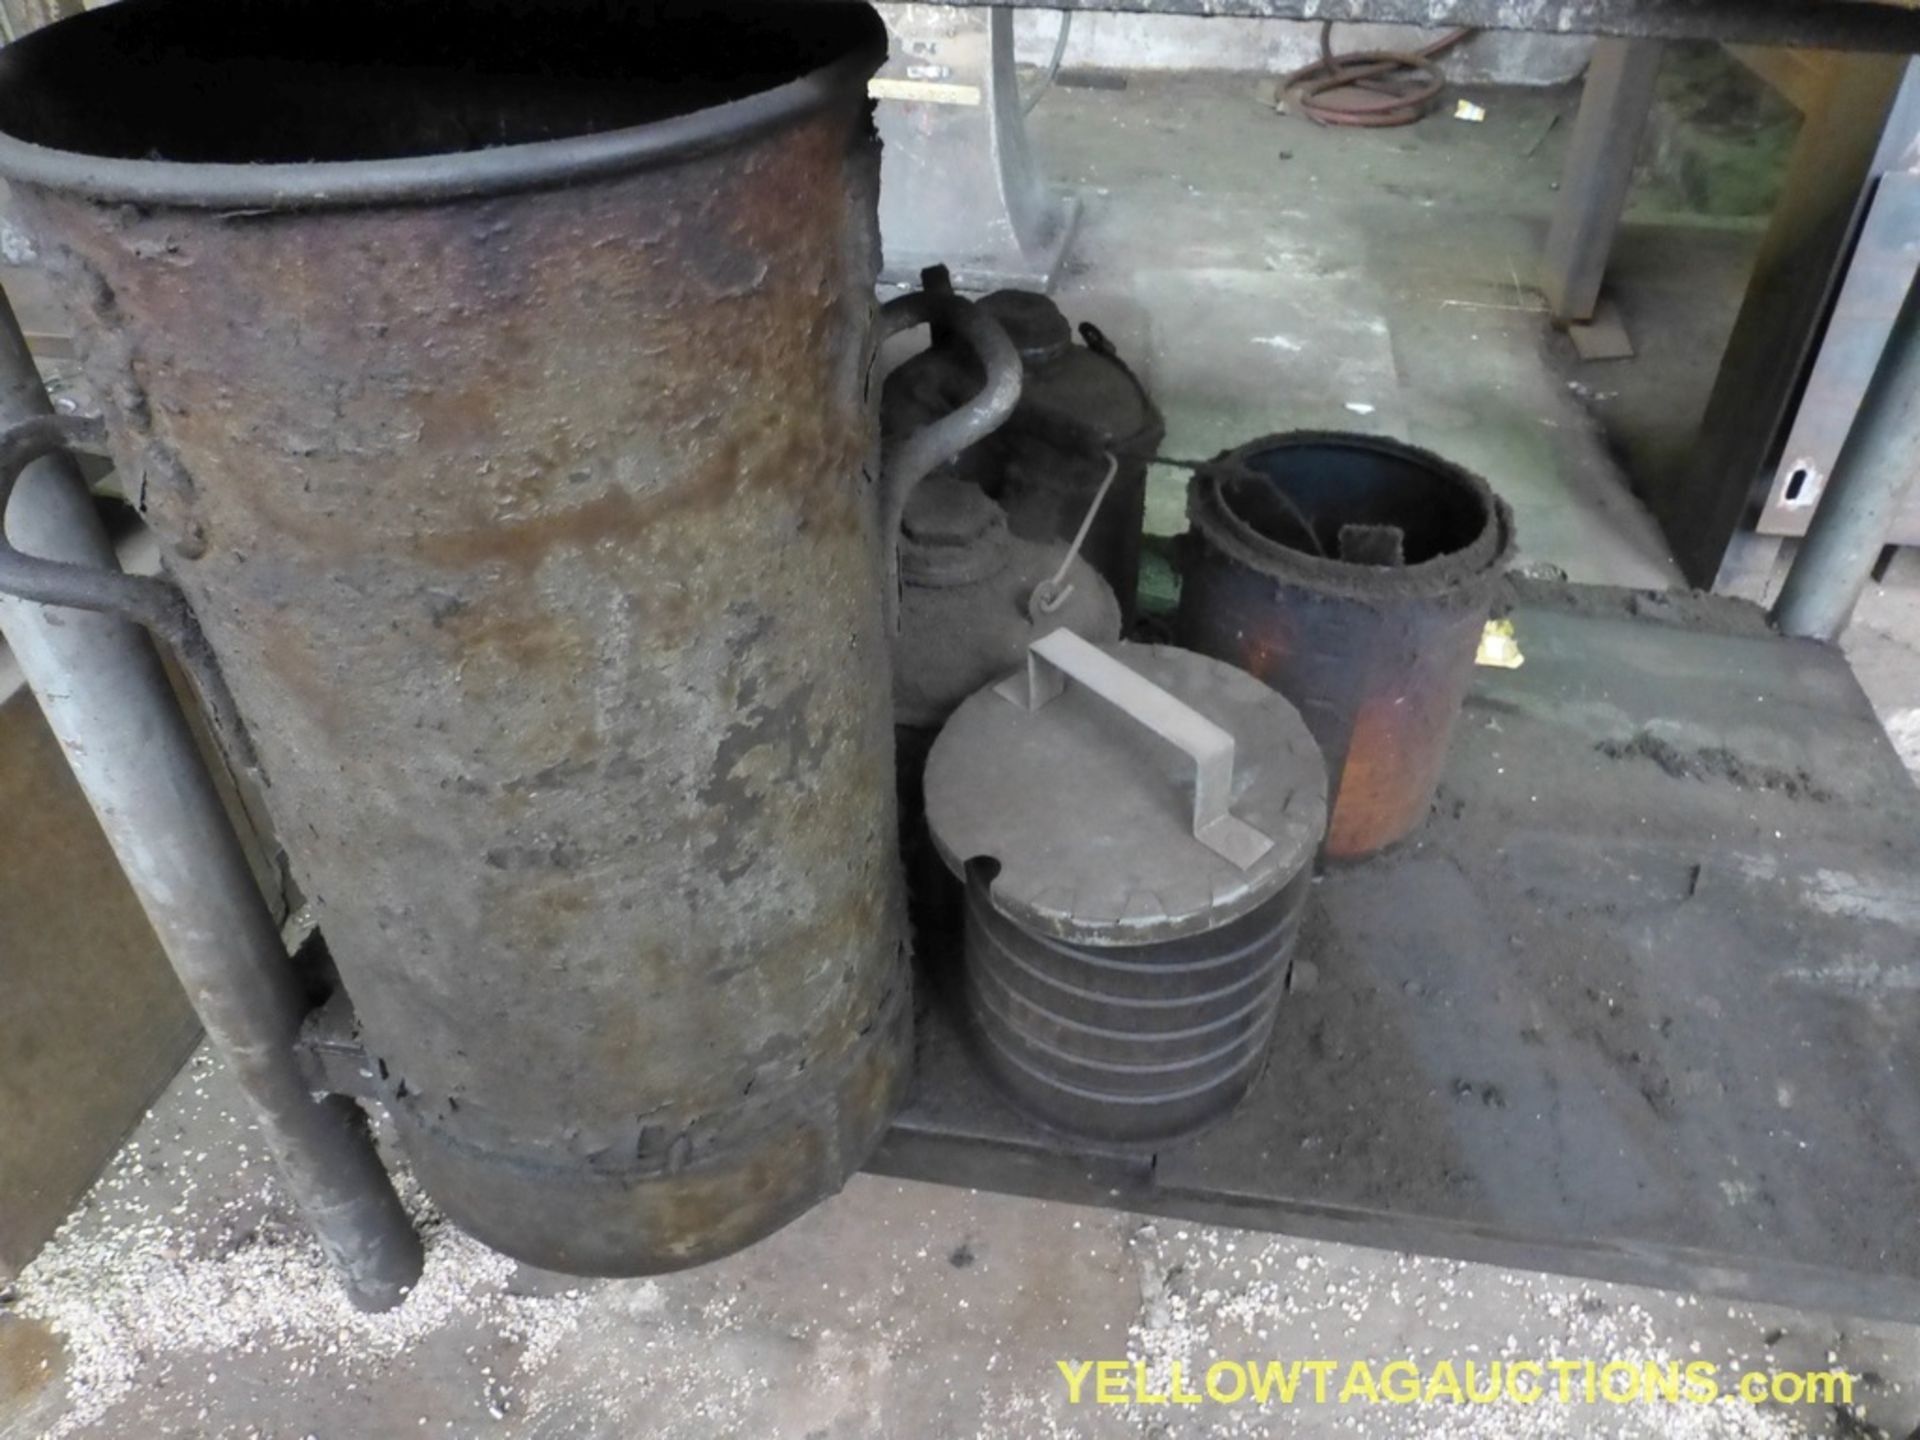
(107, 700)
(1875, 469)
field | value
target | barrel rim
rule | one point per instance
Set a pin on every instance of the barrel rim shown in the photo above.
(1466, 573)
(452, 175)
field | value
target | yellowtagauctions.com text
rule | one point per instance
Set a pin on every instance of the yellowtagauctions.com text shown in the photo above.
(1472, 1382)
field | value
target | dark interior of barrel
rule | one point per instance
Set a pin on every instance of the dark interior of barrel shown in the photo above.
(292, 81)
(1358, 504)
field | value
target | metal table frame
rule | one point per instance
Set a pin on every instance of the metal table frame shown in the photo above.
(1821, 24)
(201, 895)
(1850, 121)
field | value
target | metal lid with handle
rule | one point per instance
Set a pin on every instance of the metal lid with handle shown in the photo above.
(1128, 793)
(1061, 656)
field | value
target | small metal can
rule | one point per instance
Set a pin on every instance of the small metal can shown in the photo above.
(1354, 574)
(1135, 826)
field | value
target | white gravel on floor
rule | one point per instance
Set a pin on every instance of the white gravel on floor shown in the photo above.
(146, 1294)
(189, 1300)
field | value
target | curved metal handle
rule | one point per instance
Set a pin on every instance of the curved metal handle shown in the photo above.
(1062, 655)
(143, 598)
(911, 460)
(146, 600)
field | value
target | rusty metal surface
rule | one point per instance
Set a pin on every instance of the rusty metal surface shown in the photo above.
(535, 534)
(1376, 657)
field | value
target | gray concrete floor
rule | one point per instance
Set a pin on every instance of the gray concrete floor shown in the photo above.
(1265, 275)
(1288, 276)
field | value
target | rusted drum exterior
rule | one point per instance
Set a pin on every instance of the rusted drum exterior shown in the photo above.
(1375, 647)
(525, 495)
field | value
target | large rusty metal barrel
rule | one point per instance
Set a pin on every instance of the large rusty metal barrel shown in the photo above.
(496, 379)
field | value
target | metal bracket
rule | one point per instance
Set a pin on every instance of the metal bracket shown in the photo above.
(330, 1055)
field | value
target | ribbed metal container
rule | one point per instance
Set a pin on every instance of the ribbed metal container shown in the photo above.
(1137, 1042)
(1122, 973)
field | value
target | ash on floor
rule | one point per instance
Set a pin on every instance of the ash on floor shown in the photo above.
(185, 1299)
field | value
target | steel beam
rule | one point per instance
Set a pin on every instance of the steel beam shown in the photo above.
(1599, 169)
(1815, 24)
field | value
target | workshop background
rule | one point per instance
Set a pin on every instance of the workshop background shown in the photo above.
(1259, 272)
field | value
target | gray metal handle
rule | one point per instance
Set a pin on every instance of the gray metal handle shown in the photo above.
(142, 598)
(911, 460)
(1062, 655)
(146, 600)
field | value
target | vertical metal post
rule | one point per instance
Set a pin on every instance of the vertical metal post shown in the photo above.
(1870, 480)
(958, 185)
(107, 700)
(1703, 502)
(1599, 169)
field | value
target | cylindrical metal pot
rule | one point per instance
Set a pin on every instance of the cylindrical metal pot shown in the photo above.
(1353, 574)
(1136, 827)
(497, 381)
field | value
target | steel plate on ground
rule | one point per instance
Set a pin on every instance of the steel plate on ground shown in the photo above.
(1640, 1001)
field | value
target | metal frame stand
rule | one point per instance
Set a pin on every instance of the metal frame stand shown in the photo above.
(1794, 274)
(958, 185)
(1870, 480)
(1614, 102)
(107, 699)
